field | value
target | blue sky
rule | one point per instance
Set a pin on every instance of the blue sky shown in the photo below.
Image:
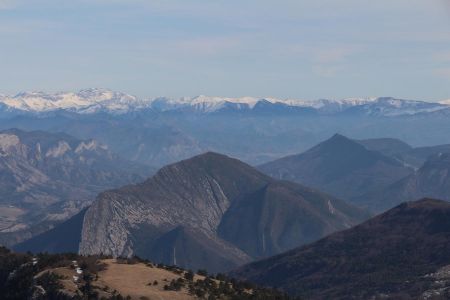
(299, 49)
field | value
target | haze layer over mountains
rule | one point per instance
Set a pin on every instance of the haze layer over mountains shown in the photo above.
(159, 131)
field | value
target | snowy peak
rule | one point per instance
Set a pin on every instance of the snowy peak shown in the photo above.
(206, 103)
(94, 100)
(87, 101)
(391, 107)
(382, 106)
(213, 104)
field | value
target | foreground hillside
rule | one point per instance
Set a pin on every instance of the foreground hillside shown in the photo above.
(69, 276)
(210, 211)
(401, 254)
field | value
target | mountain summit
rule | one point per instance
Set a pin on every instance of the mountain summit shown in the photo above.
(339, 166)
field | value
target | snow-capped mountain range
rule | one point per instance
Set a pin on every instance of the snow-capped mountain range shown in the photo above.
(90, 101)
(84, 101)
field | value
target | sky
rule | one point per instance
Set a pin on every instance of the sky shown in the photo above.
(283, 48)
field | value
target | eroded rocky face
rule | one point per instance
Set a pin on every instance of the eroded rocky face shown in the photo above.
(46, 178)
(201, 208)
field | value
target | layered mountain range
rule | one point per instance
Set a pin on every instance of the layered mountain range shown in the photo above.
(46, 178)
(401, 254)
(217, 213)
(159, 131)
(210, 211)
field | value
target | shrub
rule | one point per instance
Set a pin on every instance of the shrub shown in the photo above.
(189, 275)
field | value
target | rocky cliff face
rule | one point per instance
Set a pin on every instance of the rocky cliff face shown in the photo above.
(45, 178)
(194, 193)
(210, 204)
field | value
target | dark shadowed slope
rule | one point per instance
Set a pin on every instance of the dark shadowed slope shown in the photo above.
(431, 180)
(420, 155)
(394, 254)
(401, 151)
(283, 215)
(63, 238)
(339, 166)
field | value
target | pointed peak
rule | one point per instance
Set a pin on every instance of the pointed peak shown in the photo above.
(338, 145)
(339, 139)
(339, 136)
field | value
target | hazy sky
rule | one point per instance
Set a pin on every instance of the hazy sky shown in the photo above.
(301, 49)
